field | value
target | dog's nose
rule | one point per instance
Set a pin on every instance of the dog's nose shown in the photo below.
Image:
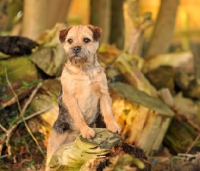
(77, 49)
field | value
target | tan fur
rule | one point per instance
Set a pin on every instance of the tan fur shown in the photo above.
(84, 84)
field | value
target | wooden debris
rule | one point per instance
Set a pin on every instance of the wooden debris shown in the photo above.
(107, 54)
(185, 106)
(180, 135)
(180, 61)
(50, 60)
(162, 77)
(193, 90)
(166, 97)
(183, 79)
(16, 45)
(129, 66)
(105, 151)
(52, 57)
(144, 119)
(46, 96)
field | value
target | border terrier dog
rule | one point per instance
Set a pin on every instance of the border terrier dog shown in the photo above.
(84, 89)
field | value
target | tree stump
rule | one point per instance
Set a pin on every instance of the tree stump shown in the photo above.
(144, 119)
(106, 151)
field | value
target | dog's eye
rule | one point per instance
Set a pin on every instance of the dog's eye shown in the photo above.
(70, 41)
(86, 40)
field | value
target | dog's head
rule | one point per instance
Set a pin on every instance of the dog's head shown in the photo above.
(80, 42)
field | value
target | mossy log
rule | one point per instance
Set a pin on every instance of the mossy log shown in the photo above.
(106, 151)
(144, 119)
(22, 75)
(180, 136)
(46, 96)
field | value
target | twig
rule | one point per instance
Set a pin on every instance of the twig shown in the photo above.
(2, 141)
(194, 125)
(4, 129)
(22, 115)
(30, 99)
(192, 145)
(19, 107)
(11, 129)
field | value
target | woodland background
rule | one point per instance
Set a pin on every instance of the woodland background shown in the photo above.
(148, 46)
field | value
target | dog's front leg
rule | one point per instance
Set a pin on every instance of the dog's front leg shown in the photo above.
(77, 116)
(106, 109)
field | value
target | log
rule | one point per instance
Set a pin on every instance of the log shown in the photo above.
(22, 75)
(162, 77)
(52, 57)
(106, 151)
(16, 45)
(180, 136)
(180, 61)
(47, 95)
(144, 119)
(129, 65)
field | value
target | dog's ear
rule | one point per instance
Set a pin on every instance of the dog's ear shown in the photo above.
(63, 34)
(96, 32)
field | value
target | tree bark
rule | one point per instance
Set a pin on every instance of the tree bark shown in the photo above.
(57, 12)
(131, 14)
(35, 18)
(117, 24)
(100, 16)
(163, 31)
(134, 26)
(42, 14)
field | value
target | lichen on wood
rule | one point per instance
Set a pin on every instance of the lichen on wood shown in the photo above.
(106, 151)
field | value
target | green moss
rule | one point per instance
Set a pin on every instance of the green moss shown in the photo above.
(18, 69)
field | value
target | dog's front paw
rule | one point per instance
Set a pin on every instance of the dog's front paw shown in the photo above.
(87, 132)
(113, 127)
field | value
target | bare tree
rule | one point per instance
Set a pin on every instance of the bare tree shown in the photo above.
(100, 16)
(163, 31)
(42, 14)
(135, 24)
(117, 23)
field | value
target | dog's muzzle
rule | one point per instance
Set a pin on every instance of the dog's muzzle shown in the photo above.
(76, 49)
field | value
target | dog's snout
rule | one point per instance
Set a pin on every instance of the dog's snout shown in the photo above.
(77, 49)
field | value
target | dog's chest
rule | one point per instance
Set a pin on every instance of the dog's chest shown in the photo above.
(87, 93)
(88, 85)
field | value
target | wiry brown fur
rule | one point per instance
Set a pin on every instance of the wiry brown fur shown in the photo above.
(84, 89)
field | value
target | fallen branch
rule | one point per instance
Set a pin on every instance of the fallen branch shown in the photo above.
(8, 132)
(22, 111)
(192, 145)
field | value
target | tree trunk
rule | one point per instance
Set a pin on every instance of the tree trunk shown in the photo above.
(35, 18)
(130, 9)
(42, 14)
(134, 26)
(57, 12)
(163, 31)
(117, 24)
(100, 16)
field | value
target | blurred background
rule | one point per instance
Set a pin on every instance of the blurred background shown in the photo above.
(151, 54)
